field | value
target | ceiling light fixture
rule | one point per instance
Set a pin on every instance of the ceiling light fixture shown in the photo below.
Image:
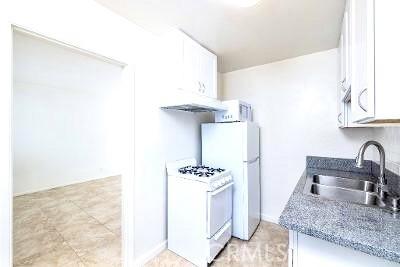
(241, 3)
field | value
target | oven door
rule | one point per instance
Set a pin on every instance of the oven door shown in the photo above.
(219, 208)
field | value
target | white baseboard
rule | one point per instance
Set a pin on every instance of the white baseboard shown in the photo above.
(146, 257)
(269, 218)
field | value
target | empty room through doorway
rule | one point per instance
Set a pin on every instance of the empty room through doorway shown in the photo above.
(67, 155)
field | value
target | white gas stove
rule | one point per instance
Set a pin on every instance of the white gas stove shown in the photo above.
(199, 210)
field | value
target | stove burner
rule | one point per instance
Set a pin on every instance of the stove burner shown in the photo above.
(201, 170)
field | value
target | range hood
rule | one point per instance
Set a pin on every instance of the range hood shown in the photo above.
(191, 102)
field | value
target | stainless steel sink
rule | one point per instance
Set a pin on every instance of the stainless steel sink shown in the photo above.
(341, 182)
(343, 194)
(358, 191)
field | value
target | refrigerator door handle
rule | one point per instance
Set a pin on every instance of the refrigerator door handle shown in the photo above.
(251, 161)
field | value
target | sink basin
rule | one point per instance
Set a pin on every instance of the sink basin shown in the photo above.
(341, 182)
(337, 193)
(358, 191)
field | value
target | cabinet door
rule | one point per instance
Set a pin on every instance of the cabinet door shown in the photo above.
(342, 65)
(345, 82)
(363, 79)
(314, 252)
(341, 116)
(200, 69)
(348, 45)
(340, 104)
(191, 66)
(345, 52)
(208, 77)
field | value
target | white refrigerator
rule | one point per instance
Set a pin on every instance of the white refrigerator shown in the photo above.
(235, 146)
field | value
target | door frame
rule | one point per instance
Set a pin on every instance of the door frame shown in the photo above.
(6, 155)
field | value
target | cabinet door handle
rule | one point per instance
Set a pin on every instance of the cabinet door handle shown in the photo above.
(359, 99)
(339, 118)
(199, 86)
(342, 84)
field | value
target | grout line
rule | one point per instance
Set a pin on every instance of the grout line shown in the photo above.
(52, 228)
(100, 223)
(62, 236)
(73, 250)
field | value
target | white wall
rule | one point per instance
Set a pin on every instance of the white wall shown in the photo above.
(88, 26)
(294, 103)
(161, 136)
(67, 116)
(389, 137)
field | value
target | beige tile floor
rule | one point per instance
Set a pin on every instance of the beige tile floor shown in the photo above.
(74, 225)
(267, 248)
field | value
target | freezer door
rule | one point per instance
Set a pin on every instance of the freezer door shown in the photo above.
(222, 144)
(252, 196)
(238, 141)
(251, 141)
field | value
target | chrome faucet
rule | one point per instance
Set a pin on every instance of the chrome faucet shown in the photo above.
(382, 182)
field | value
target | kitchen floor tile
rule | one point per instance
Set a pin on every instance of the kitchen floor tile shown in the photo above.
(168, 259)
(61, 256)
(104, 211)
(87, 236)
(108, 255)
(75, 225)
(36, 244)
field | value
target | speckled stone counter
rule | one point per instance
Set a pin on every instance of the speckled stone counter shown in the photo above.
(367, 229)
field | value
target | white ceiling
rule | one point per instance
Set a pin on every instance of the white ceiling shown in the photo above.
(270, 31)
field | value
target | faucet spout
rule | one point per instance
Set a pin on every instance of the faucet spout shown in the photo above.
(360, 160)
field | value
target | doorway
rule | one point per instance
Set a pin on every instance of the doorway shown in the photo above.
(69, 154)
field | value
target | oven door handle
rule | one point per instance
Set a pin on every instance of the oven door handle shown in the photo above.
(219, 190)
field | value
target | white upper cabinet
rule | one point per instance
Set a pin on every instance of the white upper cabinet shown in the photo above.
(195, 68)
(368, 53)
(375, 53)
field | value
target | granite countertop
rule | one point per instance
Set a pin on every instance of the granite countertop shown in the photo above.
(367, 229)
